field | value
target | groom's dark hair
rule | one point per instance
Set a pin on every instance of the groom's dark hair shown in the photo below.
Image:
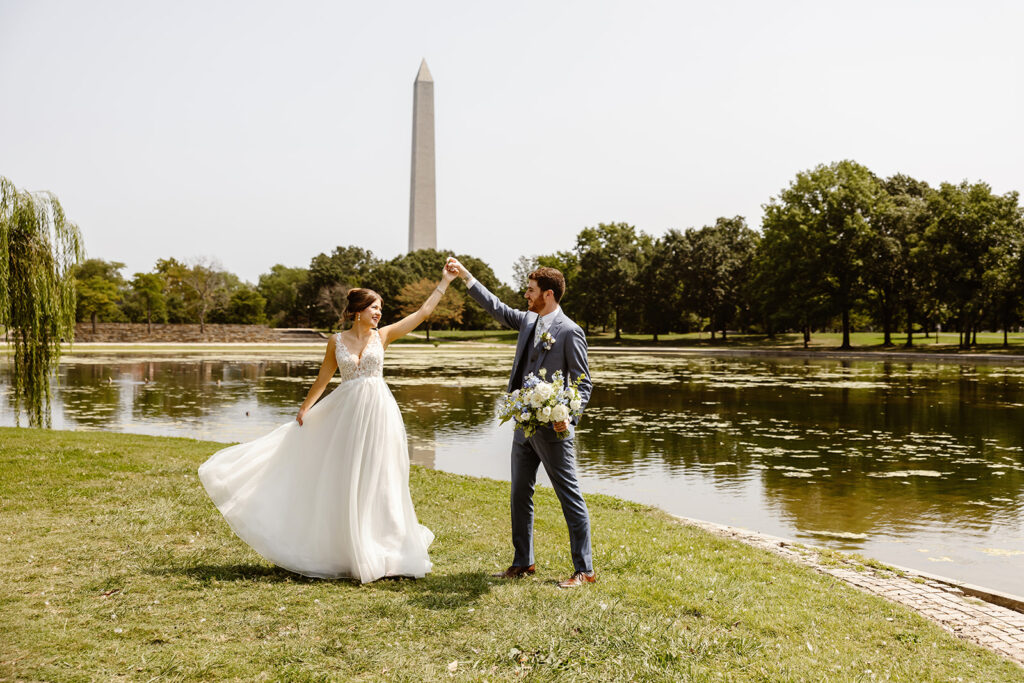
(549, 278)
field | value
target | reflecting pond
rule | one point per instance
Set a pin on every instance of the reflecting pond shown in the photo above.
(918, 464)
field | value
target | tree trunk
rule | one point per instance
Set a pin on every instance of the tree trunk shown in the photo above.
(974, 336)
(94, 323)
(655, 336)
(618, 332)
(1006, 337)
(807, 336)
(910, 331)
(886, 327)
(428, 331)
(846, 328)
(149, 324)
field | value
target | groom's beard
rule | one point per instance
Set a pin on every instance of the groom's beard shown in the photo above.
(535, 305)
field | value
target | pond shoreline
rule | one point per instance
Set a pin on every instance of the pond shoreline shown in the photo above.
(292, 347)
(831, 354)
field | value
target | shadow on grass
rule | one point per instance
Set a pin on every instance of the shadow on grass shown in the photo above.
(435, 591)
(439, 591)
(207, 573)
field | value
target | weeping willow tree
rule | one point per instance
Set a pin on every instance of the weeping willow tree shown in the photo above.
(38, 249)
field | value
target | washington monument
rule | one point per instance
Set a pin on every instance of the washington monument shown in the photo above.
(423, 195)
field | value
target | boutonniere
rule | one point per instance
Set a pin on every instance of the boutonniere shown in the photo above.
(547, 340)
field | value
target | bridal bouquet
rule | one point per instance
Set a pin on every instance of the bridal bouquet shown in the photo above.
(542, 403)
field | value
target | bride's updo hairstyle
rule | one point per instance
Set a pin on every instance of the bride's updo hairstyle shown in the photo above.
(358, 300)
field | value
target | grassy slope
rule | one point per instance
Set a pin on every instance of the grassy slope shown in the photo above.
(84, 514)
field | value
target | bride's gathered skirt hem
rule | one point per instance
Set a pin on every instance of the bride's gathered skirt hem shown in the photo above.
(328, 499)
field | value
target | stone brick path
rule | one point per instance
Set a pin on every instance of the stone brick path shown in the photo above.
(947, 603)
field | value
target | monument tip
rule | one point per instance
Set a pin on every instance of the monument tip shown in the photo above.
(424, 73)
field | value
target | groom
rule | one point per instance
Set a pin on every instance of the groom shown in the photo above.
(547, 339)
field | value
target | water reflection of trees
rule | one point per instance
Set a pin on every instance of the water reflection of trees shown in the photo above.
(877, 431)
(442, 408)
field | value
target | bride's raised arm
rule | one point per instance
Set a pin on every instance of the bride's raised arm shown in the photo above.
(410, 322)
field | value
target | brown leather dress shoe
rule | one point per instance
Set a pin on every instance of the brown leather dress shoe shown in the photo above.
(578, 579)
(514, 572)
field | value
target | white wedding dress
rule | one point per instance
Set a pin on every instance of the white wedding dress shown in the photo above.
(329, 498)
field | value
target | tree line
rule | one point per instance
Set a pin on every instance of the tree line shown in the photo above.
(200, 291)
(839, 249)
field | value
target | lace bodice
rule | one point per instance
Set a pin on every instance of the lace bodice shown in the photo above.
(351, 367)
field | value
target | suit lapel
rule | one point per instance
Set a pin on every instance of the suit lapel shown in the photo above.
(522, 349)
(553, 330)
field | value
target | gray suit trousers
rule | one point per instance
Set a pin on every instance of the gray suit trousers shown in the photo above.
(559, 462)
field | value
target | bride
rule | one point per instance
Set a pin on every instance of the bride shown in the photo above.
(328, 494)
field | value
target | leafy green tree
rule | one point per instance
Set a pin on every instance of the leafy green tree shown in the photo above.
(147, 295)
(101, 290)
(281, 289)
(970, 234)
(345, 265)
(39, 249)
(825, 219)
(246, 306)
(660, 283)
(98, 297)
(176, 292)
(611, 257)
(896, 274)
(717, 265)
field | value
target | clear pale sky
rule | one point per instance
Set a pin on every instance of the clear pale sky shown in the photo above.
(266, 132)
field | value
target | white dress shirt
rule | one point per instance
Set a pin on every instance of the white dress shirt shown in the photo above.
(544, 323)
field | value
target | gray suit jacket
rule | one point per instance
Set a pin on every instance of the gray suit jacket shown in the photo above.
(568, 353)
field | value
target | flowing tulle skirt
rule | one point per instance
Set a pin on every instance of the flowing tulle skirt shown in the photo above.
(330, 498)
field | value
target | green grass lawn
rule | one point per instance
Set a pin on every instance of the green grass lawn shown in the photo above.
(116, 565)
(988, 342)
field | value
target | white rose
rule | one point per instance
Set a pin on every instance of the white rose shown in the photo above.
(523, 417)
(544, 414)
(559, 413)
(575, 404)
(544, 391)
(536, 400)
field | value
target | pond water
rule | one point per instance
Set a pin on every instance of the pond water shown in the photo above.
(918, 464)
